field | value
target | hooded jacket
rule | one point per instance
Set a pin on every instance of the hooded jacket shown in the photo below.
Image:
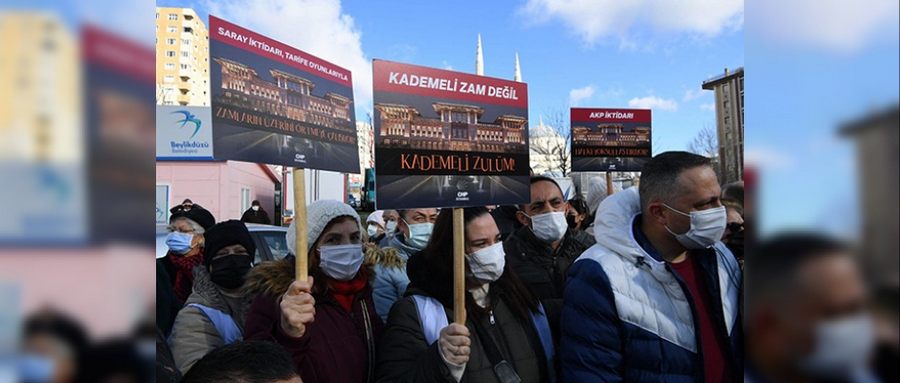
(338, 347)
(193, 334)
(390, 274)
(627, 317)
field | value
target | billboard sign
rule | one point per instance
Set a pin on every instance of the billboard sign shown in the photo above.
(610, 139)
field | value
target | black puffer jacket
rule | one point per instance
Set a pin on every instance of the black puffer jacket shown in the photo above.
(543, 269)
(404, 355)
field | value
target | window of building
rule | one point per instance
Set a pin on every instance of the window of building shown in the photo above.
(173, 16)
(185, 54)
(171, 29)
(185, 66)
(169, 79)
(245, 199)
(170, 66)
(170, 53)
(186, 41)
(170, 41)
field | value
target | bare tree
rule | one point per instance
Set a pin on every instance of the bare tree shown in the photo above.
(554, 149)
(706, 143)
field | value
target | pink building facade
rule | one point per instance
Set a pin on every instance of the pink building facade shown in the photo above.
(225, 188)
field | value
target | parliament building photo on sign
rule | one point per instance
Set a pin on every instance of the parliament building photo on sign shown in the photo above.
(457, 127)
(289, 96)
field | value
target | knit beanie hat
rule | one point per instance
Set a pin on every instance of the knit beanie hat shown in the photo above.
(377, 217)
(198, 214)
(223, 234)
(318, 215)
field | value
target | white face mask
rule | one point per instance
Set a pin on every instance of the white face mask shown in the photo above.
(255, 208)
(843, 347)
(707, 227)
(419, 234)
(341, 262)
(487, 264)
(549, 227)
(390, 226)
(372, 230)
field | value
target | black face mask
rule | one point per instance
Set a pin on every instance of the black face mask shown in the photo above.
(229, 271)
(570, 219)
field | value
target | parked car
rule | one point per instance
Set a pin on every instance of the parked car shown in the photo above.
(271, 242)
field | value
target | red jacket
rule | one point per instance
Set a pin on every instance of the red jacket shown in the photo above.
(338, 347)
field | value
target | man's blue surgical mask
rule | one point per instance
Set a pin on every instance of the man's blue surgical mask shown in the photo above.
(390, 226)
(419, 234)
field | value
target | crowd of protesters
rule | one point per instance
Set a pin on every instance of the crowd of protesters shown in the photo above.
(639, 285)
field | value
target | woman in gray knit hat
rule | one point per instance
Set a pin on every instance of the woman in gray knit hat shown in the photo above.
(328, 323)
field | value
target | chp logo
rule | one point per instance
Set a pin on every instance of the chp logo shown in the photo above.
(300, 157)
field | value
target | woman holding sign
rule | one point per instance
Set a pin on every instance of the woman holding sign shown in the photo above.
(328, 323)
(505, 335)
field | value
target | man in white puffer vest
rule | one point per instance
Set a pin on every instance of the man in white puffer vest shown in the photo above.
(657, 298)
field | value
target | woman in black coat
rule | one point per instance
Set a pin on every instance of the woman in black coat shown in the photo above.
(498, 307)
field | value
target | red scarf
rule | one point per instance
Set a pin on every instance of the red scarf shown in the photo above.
(184, 272)
(345, 291)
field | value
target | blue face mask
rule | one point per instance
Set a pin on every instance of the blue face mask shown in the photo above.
(419, 234)
(34, 368)
(390, 226)
(178, 242)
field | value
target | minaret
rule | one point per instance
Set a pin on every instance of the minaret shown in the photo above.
(479, 58)
(518, 74)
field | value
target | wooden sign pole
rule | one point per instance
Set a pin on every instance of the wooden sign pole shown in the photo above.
(301, 269)
(459, 268)
(609, 183)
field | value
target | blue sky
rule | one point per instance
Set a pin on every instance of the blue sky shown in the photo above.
(646, 59)
(805, 81)
(811, 66)
(555, 59)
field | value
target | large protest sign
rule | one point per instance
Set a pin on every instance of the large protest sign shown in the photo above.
(275, 104)
(610, 139)
(119, 106)
(448, 139)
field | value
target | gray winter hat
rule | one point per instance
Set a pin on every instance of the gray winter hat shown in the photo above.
(318, 215)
